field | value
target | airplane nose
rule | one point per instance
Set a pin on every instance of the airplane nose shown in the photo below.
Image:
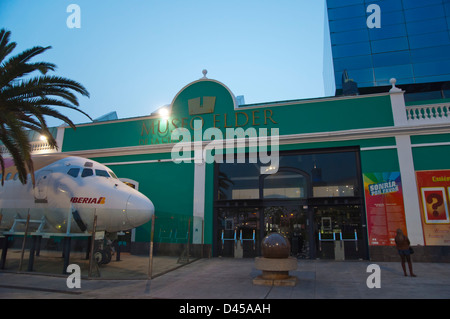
(139, 210)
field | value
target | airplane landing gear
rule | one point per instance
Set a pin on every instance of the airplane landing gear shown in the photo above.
(105, 249)
(103, 256)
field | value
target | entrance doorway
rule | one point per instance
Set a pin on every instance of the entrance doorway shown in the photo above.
(338, 232)
(314, 200)
(292, 222)
(318, 232)
(238, 232)
(314, 231)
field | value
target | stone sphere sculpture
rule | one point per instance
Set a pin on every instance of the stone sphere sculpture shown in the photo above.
(275, 245)
(275, 262)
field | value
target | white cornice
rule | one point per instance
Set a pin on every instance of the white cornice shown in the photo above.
(355, 134)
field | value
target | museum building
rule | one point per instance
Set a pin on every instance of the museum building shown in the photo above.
(337, 176)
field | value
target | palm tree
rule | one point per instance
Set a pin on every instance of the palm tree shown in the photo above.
(26, 100)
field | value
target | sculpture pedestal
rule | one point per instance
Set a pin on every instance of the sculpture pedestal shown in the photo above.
(275, 271)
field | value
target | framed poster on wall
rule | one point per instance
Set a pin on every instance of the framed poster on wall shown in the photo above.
(435, 207)
(434, 193)
(384, 207)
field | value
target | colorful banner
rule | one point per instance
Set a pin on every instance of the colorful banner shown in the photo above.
(434, 194)
(384, 207)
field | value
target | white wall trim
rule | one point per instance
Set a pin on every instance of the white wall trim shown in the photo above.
(409, 188)
(355, 134)
(199, 202)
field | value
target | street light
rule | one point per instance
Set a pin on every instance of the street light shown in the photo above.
(164, 113)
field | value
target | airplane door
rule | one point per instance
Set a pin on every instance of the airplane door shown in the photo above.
(40, 191)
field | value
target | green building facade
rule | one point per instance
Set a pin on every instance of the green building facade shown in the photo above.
(337, 176)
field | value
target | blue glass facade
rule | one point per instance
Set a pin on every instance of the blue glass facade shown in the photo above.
(412, 43)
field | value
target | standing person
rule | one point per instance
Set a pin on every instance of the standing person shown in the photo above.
(402, 243)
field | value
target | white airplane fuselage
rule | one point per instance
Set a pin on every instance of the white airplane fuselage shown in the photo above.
(68, 193)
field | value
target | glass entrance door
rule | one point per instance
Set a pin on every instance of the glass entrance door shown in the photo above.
(338, 232)
(292, 222)
(324, 232)
(238, 232)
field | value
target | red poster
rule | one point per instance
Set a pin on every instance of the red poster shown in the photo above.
(434, 192)
(384, 207)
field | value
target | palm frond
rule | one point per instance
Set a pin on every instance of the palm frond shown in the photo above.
(25, 102)
(5, 47)
(45, 86)
(17, 66)
(16, 142)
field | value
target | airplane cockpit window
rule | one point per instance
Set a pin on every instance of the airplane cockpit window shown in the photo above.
(73, 172)
(101, 172)
(87, 172)
(113, 175)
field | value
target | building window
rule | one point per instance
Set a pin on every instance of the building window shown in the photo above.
(327, 174)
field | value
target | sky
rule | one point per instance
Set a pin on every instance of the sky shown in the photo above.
(134, 56)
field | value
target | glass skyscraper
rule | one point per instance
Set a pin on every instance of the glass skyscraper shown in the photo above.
(410, 43)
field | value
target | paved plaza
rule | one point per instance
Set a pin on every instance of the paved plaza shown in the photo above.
(227, 278)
